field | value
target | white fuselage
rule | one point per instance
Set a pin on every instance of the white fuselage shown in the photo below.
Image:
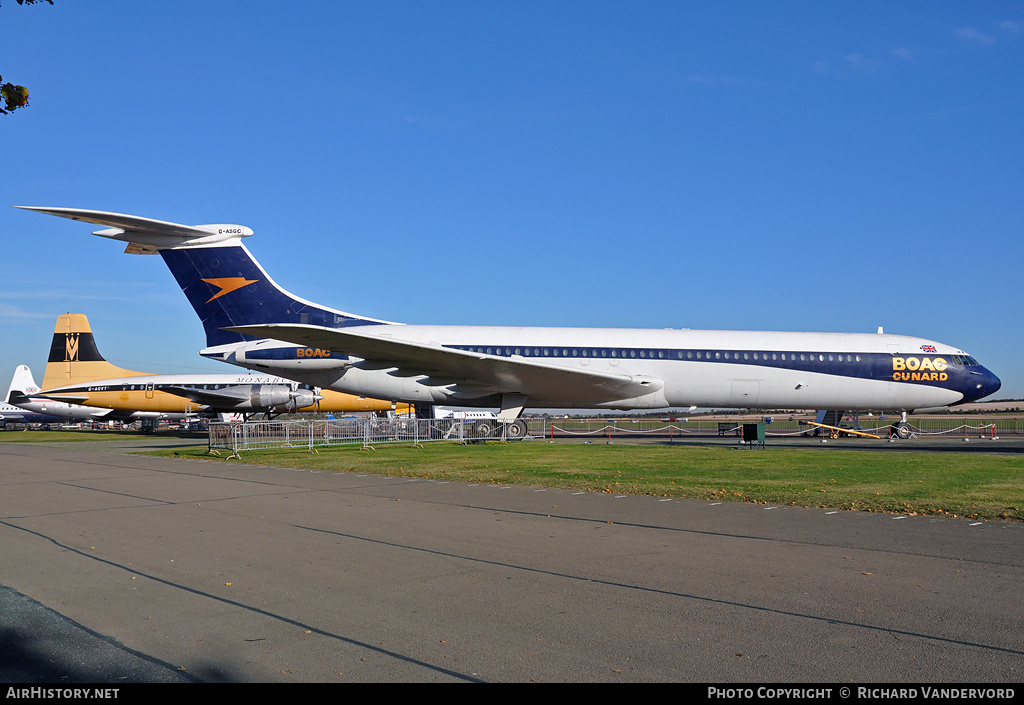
(44, 409)
(679, 367)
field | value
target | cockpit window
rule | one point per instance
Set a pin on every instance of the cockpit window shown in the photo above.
(965, 360)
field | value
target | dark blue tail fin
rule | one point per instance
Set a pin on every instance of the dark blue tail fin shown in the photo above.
(227, 287)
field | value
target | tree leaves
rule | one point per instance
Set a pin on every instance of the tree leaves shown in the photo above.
(14, 97)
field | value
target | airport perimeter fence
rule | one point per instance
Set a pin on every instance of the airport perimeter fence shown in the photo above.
(255, 435)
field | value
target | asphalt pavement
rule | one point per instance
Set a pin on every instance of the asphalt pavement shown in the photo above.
(126, 568)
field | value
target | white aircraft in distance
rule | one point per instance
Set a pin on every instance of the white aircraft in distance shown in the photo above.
(78, 374)
(251, 321)
(23, 407)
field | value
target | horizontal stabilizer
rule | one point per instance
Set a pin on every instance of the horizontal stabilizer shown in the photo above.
(18, 398)
(145, 235)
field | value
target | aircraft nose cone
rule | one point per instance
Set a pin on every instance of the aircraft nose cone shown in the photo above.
(985, 385)
(993, 383)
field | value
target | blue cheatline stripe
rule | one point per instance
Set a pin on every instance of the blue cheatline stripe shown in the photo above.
(862, 365)
(253, 303)
(299, 352)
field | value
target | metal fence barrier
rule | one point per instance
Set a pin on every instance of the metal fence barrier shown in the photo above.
(254, 435)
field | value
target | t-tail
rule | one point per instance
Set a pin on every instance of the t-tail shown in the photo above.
(74, 357)
(226, 286)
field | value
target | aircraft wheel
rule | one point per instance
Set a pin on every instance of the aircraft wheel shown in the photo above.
(901, 429)
(516, 429)
(483, 429)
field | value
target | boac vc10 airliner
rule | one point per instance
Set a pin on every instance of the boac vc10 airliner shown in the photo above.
(252, 322)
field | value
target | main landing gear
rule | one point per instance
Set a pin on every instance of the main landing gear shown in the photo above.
(493, 428)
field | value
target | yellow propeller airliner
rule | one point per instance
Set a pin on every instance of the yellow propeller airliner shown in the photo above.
(78, 374)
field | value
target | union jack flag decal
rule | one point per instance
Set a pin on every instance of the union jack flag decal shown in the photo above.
(928, 348)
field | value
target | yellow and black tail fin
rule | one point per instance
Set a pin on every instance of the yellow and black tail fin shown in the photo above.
(74, 357)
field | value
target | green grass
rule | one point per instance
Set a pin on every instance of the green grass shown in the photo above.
(973, 485)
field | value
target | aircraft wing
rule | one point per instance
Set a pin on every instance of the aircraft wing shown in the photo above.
(219, 398)
(474, 374)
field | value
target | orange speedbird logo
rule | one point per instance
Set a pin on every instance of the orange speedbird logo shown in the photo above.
(227, 285)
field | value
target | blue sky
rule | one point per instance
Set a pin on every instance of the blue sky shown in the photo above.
(732, 165)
